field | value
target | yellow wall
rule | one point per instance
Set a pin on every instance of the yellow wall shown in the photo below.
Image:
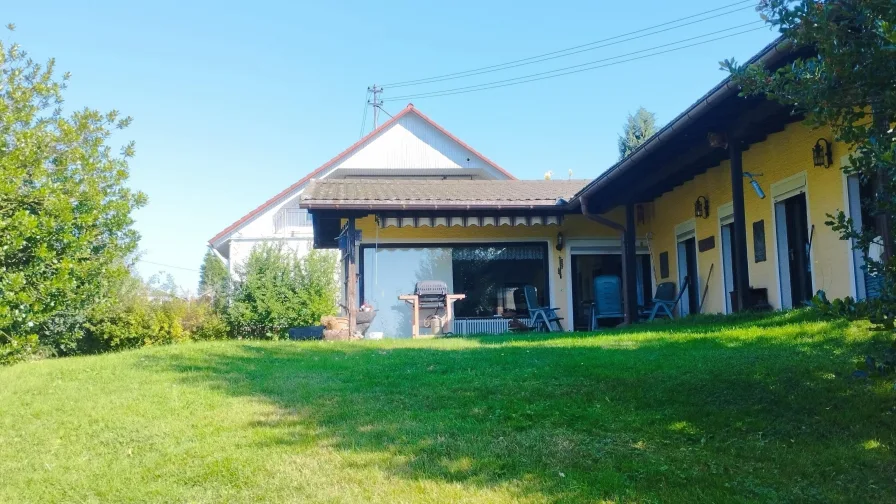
(573, 226)
(780, 156)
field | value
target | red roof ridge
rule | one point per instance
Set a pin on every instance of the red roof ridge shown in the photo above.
(409, 108)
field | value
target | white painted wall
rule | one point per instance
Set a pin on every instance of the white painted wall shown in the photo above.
(409, 143)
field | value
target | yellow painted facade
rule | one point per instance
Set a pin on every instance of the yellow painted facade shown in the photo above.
(780, 157)
(573, 227)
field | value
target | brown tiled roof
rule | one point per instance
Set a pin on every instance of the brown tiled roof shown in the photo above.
(409, 109)
(438, 194)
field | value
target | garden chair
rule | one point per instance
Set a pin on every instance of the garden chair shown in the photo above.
(607, 299)
(540, 316)
(665, 300)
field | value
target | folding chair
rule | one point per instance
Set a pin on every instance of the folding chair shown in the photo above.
(540, 316)
(665, 300)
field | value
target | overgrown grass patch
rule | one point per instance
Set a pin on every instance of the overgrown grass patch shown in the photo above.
(744, 409)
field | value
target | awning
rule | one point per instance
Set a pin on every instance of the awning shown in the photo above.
(385, 221)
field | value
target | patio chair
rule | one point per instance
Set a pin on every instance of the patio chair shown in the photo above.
(540, 316)
(607, 299)
(665, 300)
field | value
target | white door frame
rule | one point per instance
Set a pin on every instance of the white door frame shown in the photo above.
(683, 232)
(599, 246)
(780, 191)
(726, 216)
(857, 286)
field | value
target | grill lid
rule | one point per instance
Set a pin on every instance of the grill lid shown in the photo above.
(431, 288)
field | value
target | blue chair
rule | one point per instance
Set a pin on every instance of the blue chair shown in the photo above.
(540, 317)
(665, 300)
(607, 299)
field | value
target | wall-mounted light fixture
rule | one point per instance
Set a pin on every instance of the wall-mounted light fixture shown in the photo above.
(756, 186)
(822, 155)
(559, 245)
(701, 207)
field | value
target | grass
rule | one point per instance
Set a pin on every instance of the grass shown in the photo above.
(716, 410)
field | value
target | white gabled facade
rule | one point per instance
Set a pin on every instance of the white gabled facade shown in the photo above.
(408, 145)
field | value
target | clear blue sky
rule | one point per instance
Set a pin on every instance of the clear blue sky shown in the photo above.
(235, 101)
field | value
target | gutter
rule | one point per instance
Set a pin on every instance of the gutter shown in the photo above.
(771, 55)
(605, 221)
(429, 207)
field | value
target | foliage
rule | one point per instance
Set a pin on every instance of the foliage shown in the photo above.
(637, 129)
(138, 315)
(214, 281)
(65, 212)
(876, 310)
(276, 291)
(745, 409)
(847, 84)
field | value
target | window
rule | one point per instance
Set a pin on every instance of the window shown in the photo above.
(492, 277)
(289, 219)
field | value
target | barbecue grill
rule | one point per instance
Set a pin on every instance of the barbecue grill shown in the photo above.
(431, 295)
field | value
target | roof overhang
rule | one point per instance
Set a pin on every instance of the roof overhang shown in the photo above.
(680, 150)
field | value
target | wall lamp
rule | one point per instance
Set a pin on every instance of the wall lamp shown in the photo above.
(822, 155)
(756, 187)
(701, 207)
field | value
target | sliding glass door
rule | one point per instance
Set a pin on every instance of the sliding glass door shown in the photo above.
(491, 275)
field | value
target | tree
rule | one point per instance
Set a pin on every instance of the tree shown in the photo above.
(214, 280)
(276, 291)
(847, 84)
(65, 212)
(637, 129)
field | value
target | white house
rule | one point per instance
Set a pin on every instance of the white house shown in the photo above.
(409, 145)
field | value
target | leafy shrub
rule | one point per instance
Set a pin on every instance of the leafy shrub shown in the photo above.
(65, 208)
(877, 311)
(138, 315)
(214, 281)
(276, 291)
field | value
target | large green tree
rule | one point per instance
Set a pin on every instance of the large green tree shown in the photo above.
(65, 211)
(637, 129)
(214, 280)
(849, 84)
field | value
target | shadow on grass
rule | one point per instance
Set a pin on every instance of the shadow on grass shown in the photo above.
(702, 419)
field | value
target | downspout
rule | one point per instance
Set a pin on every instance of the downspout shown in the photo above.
(618, 227)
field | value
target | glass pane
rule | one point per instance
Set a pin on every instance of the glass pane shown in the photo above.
(391, 272)
(492, 277)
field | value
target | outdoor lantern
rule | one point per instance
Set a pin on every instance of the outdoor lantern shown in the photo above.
(559, 245)
(821, 154)
(701, 207)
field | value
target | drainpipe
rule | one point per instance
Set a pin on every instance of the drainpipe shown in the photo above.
(626, 241)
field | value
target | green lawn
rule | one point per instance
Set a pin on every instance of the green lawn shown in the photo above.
(722, 410)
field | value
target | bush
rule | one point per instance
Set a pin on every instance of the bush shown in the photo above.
(65, 208)
(877, 311)
(276, 291)
(138, 315)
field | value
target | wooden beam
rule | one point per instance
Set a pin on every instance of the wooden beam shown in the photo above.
(741, 273)
(351, 276)
(629, 266)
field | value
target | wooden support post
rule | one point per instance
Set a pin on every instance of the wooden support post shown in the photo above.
(351, 249)
(629, 266)
(742, 274)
